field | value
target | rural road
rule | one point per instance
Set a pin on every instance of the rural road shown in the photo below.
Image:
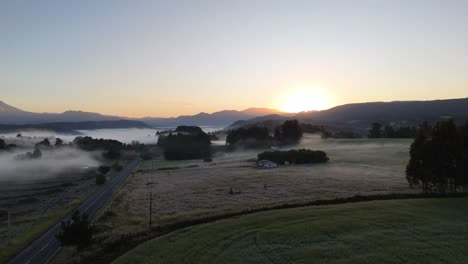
(47, 246)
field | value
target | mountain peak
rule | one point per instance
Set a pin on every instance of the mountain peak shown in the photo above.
(5, 108)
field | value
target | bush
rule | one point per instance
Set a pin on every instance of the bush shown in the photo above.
(100, 179)
(301, 156)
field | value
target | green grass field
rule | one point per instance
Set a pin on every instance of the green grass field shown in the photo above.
(396, 231)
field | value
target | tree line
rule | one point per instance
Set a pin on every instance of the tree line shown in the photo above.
(377, 130)
(289, 132)
(186, 142)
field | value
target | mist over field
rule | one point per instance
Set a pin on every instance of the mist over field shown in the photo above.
(52, 163)
(124, 135)
(57, 161)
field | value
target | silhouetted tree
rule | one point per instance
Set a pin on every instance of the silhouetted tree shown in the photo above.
(3, 145)
(389, 132)
(437, 158)
(291, 132)
(100, 179)
(375, 131)
(104, 169)
(76, 232)
(58, 142)
(36, 154)
(45, 143)
(186, 143)
(277, 134)
(250, 137)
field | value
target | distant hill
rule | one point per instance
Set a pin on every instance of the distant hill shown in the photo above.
(410, 111)
(12, 115)
(359, 116)
(8, 109)
(72, 127)
(221, 118)
(264, 121)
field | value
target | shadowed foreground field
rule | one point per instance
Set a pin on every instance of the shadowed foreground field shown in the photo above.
(397, 231)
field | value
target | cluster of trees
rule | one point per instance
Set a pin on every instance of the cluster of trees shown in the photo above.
(290, 132)
(340, 134)
(312, 129)
(251, 137)
(189, 129)
(37, 153)
(300, 156)
(186, 143)
(46, 144)
(379, 131)
(76, 232)
(112, 148)
(5, 146)
(439, 158)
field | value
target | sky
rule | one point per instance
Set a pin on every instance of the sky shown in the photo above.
(166, 58)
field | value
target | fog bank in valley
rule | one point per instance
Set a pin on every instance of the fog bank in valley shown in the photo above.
(52, 163)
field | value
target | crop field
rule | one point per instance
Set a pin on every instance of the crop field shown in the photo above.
(188, 190)
(394, 231)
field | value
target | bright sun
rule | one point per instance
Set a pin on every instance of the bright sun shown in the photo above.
(304, 100)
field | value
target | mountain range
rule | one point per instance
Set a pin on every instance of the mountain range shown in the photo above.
(349, 116)
(358, 117)
(13, 116)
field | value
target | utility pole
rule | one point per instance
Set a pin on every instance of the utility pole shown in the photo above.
(150, 209)
(9, 228)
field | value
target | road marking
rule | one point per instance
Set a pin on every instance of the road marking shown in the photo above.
(53, 255)
(42, 248)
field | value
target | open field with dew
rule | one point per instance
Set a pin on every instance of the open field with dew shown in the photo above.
(37, 204)
(187, 190)
(182, 188)
(395, 231)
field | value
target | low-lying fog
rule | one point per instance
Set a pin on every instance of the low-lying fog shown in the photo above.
(124, 135)
(52, 163)
(57, 161)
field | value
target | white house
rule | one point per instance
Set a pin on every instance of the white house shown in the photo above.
(266, 164)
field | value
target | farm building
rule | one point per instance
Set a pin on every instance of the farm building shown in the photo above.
(266, 164)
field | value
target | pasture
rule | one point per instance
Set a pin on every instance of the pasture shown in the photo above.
(37, 204)
(187, 190)
(394, 231)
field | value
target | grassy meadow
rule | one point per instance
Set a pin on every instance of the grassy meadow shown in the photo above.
(36, 205)
(188, 190)
(394, 231)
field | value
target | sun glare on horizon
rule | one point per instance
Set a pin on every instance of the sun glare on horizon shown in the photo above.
(304, 100)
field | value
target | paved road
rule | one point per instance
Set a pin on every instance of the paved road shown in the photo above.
(47, 246)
